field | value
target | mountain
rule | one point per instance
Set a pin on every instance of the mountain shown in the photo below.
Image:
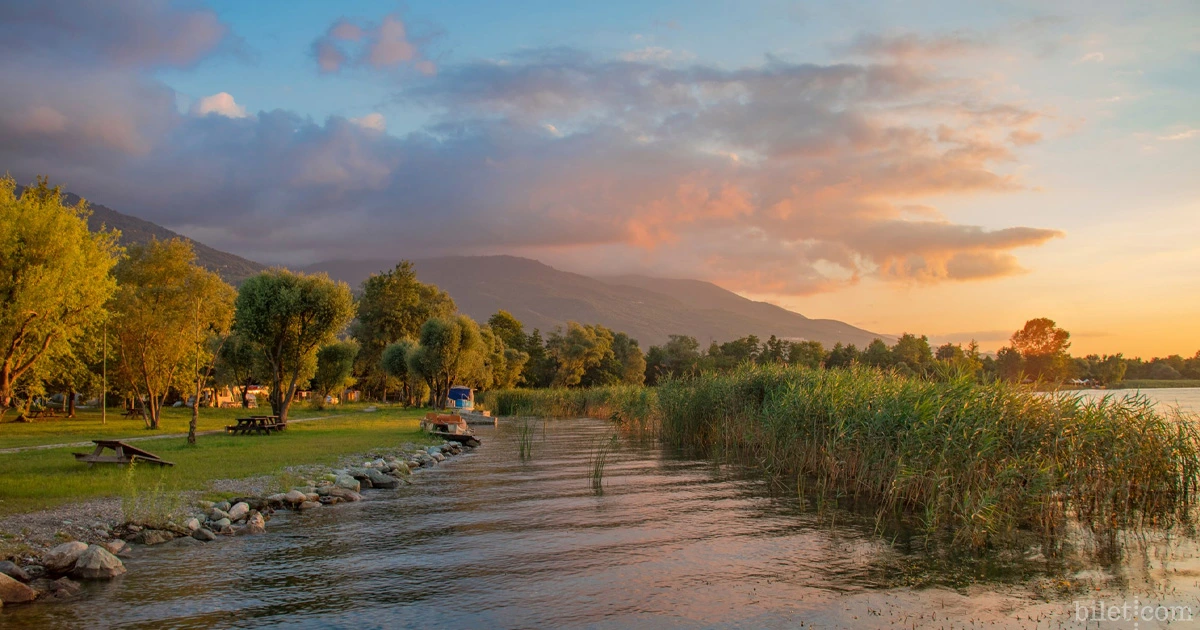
(648, 309)
(135, 231)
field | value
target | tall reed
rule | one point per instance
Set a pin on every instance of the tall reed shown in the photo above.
(525, 432)
(982, 462)
(599, 460)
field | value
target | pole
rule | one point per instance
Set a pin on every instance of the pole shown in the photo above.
(104, 378)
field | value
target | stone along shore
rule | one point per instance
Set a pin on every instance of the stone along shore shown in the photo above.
(53, 572)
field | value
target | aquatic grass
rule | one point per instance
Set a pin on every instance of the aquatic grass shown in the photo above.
(155, 505)
(525, 433)
(981, 463)
(599, 459)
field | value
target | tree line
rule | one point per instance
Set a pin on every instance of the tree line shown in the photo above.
(77, 309)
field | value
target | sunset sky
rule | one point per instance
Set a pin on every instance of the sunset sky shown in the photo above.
(945, 168)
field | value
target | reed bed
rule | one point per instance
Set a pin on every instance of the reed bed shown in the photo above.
(599, 460)
(525, 431)
(983, 463)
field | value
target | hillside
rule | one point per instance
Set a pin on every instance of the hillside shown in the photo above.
(649, 309)
(135, 231)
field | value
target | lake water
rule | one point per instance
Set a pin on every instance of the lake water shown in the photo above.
(1186, 399)
(486, 540)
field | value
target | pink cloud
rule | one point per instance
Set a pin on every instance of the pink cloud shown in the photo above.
(383, 46)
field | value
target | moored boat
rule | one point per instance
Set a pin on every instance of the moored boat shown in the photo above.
(449, 427)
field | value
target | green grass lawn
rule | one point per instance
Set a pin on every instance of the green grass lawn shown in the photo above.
(86, 424)
(41, 479)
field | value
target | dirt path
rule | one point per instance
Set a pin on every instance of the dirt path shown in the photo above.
(46, 447)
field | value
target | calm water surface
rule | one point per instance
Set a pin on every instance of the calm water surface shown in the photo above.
(486, 540)
(1186, 399)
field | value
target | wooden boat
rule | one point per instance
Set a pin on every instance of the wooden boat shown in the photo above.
(449, 427)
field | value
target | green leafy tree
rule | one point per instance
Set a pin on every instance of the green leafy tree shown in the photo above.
(877, 354)
(288, 317)
(163, 312)
(539, 369)
(449, 346)
(54, 279)
(1010, 365)
(1044, 346)
(393, 306)
(578, 349)
(809, 354)
(680, 356)
(508, 328)
(335, 369)
(842, 356)
(775, 350)
(395, 365)
(913, 351)
(241, 366)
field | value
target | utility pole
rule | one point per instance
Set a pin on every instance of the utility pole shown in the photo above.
(104, 378)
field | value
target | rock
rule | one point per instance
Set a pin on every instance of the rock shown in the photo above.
(66, 587)
(204, 535)
(339, 492)
(277, 499)
(97, 564)
(205, 505)
(217, 514)
(35, 571)
(13, 571)
(328, 500)
(295, 496)
(380, 480)
(311, 496)
(133, 528)
(184, 541)
(308, 505)
(61, 558)
(155, 536)
(255, 524)
(434, 450)
(438, 456)
(401, 468)
(192, 525)
(222, 524)
(223, 506)
(116, 547)
(347, 482)
(239, 512)
(14, 592)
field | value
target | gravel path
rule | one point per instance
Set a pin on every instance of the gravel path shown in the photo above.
(43, 447)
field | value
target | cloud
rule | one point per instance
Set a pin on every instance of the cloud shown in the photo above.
(221, 103)
(555, 153)
(1092, 57)
(383, 46)
(1182, 135)
(912, 45)
(374, 121)
(126, 33)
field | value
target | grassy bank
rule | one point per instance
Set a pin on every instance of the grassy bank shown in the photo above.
(40, 479)
(86, 425)
(982, 462)
(622, 402)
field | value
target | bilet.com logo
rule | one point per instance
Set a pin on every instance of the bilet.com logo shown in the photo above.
(1135, 611)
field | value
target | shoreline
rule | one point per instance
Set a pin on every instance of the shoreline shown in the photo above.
(38, 546)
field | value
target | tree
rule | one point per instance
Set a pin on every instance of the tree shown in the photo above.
(508, 328)
(394, 305)
(810, 354)
(680, 356)
(448, 346)
(842, 356)
(775, 350)
(395, 365)
(913, 351)
(1010, 365)
(240, 365)
(211, 315)
(877, 354)
(579, 349)
(1044, 346)
(288, 316)
(162, 313)
(335, 366)
(54, 278)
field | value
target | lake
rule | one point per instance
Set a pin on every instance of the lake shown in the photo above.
(487, 540)
(1186, 399)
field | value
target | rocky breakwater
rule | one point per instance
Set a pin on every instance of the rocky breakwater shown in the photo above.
(53, 572)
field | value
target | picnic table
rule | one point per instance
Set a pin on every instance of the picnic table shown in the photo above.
(124, 454)
(135, 412)
(262, 425)
(44, 412)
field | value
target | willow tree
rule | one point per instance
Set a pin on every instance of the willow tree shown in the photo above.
(165, 311)
(449, 347)
(287, 317)
(54, 278)
(335, 366)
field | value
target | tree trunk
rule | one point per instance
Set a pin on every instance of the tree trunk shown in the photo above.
(191, 439)
(71, 403)
(245, 391)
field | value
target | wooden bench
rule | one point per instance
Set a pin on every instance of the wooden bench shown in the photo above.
(124, 454)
